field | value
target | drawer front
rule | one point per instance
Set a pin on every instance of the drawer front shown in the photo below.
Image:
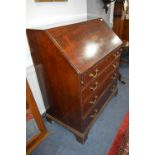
(94, 72)
(91, 101)
(93, 86)
(95, 111)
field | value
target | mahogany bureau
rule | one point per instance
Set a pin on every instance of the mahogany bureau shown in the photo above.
(78, 65)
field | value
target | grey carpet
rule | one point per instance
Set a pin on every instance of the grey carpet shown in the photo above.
(101, 135)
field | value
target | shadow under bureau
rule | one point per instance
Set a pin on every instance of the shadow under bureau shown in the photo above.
(77, 69)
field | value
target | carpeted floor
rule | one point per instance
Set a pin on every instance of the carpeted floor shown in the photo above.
(120, 144)
(101, 135)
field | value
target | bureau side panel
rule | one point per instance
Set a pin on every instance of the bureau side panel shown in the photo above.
(59, 81)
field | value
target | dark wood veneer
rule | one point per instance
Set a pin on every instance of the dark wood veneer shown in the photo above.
(68, 59)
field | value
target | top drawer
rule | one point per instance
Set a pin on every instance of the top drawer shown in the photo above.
(94, 72)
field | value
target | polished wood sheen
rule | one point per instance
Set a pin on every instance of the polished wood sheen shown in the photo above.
(74, 64)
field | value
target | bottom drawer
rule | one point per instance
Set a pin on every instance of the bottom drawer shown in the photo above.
(95, 112)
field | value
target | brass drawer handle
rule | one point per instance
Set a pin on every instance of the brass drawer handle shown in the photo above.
(94, 75)
(94, 88)
(115, 65)
(118, 54)
(113, 89)
(115, 55)
(93, 102)
(114, 76)
(96, 111)
(92, 116)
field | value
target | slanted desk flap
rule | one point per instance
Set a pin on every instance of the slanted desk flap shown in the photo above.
(85, 43)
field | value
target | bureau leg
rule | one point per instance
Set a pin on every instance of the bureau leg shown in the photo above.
(81, 139)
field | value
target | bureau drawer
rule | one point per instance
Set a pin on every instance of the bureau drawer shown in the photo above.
(91, 101)
(93, 86)
(94, 72)
(92, 116)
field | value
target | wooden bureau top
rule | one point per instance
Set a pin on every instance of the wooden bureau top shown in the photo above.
(84, 44)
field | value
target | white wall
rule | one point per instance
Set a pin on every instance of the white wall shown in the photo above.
(50, 12)
(95, 10)
(39, 14)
